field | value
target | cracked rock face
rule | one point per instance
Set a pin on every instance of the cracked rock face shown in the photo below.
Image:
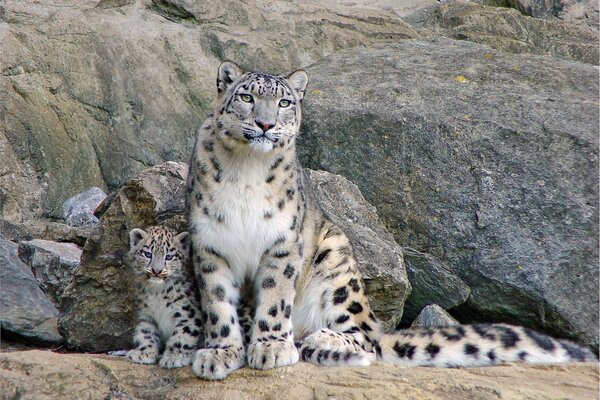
(490, 165)
(93, 92)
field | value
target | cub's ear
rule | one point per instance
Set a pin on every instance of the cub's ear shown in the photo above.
(298, 80)
(228, 73)
(184, 239)
(136, 235)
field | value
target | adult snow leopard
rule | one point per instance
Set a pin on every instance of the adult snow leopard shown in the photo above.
(258, 236)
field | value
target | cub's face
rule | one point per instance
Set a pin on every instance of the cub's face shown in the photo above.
(256, 110)
(159, 253)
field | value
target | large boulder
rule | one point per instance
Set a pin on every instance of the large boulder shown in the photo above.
(93, 92)
(486, 160)
(47, 375)
(379, 257)
(25, 311)
(98, 307)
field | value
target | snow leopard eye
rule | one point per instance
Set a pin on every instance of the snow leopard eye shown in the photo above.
(148, 254)
(246, 98)
(169, 257)
(283, 103)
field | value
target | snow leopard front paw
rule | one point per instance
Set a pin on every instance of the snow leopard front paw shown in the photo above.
(216, 364)
(176, 359)
(272, 354)
(147, 356)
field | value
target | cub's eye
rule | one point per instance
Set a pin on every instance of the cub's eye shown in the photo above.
(148, 254)
(284, 103)
(169, 257)
(246, 98)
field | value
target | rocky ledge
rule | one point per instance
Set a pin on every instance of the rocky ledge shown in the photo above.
(47, 375)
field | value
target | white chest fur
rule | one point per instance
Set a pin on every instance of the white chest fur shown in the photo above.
(242, 200)
(163, 316)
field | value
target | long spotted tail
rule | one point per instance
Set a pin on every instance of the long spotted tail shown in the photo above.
(476, 345)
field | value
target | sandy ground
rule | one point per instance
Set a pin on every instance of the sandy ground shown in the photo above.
(39, 374)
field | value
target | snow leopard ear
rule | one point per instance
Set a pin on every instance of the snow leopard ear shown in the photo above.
(136, 235)
(184, 239)
(298, 80)
(228, 73)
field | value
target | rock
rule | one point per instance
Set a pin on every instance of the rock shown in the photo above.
(80, 107)
(434, 316)
(485, 160)
(379, 257)
(583, 13)
(28, 373)
(507, 30)
(25, 311)
(41, 228)
(52, 264)
(98, 307)
(432, 281)
(79, 210)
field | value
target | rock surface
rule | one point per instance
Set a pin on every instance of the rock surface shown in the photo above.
(490, 164)
(93, 92)
(432, 281)
(52, 264)
(583, 13)
(507, 30)
(45, 375)
(43, 229)
(79, 210)
(25, 311)
(379, 257)
(433, 316)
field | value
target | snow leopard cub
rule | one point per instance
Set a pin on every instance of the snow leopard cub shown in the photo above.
(169, 314)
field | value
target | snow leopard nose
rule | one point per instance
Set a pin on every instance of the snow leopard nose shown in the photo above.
(265, 126)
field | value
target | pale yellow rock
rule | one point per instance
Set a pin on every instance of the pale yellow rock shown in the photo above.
(43, 375)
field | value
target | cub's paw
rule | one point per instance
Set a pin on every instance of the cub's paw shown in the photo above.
(176, 360)
(147, 356)
(216, 364)
(272, 354)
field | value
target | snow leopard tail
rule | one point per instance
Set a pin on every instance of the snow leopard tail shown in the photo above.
(476, 345)
(332, 358)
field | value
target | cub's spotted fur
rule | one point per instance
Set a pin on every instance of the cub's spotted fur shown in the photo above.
(169, 315)
(259, 237)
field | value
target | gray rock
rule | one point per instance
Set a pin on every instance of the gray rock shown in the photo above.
(379, 257)
(25, 311)
(432, 281)
(98, 306)
(583, 13)
(79, 108)
(41, 228)
(52, 264)
(79, 210)
(506, 29)
(488, 163)
(434, 316)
